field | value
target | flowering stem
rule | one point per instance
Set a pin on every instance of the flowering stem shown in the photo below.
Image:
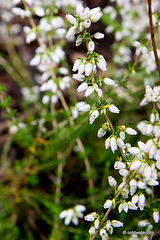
(66, 108)
(109, 209)
(153, 35)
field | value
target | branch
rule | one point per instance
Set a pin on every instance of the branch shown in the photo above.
(153, 35)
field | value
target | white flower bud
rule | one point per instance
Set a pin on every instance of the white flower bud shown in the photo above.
(122, 135)
(81, 68)
(90, 217)
(131, 131)
(120, 143)
(89, 91)
(152, 182)
(35, 61)
(76, 65)
(135, 199)
(87, 23)
(39, 11)
(93, 116)
(119, 165)
(149, 129)
(116, 223)
(101, 63)
(156, 216)
(156, 131)
(152, 118)
(147, 172)
(96, 223)
(142, 146)
(133, 183)
(71, 18)
(88, 68)
(112, 181)
(98, 35)
(109, 81)
(101, 132)
(134, 150)
(120, 207)
(92, 230)
(135, 165)
(82, 87)
(91, 46)
(125, 207)
(102, 232)
(79, 41)
(78, 77)
(107, 204)
(141, 185)
(71, 32)
(107, 143)
(84, 108)
(123, 172)
(141, 201)
(113, 144)
(152, 151)
(132, 206)
(95, 14)
(114, 109)
(157, 155)
(79, 8)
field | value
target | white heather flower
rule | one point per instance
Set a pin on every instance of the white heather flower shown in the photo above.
(92, 230)
(131, 131)
(116, 223)
(79, 9)
(113, 144)
(81, 68)
(71, 18)
(141, 201)
(114, 109)
(107, 143)
(119, 165)
(142, 146)
(82, 87)
(84, 14)
(96, 223)
(132, 206)
(152, 151)
(135, 199)
(79, 40)
(35, 61)
(93, 116)
(135, 165)
(95, 14)
(90, 217)
(71, 32)
(134, 150)
(101, 63)
(101, 132)
(112, 182)
(76, 65)
(120, 143)
(89, 91)
(39, 11)
(103, 232)
(149, 129)
(123, 172)
(78, 77)
(88, 68)
(84, 108)
(107, 204)
(152, 182)
(141, 185)
(91, 46)
(133, 183)
(109, 81)
(156, 131)
(87, 23)
(120, 207)
(157, 155)
(147, 172)
(98, 35)
(156, 216)
(122, 135)
(152, 118)
(30, 35)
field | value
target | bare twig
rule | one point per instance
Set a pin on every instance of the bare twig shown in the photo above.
(153, 35)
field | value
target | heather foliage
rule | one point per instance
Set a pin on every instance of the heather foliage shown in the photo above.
(81, 153)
